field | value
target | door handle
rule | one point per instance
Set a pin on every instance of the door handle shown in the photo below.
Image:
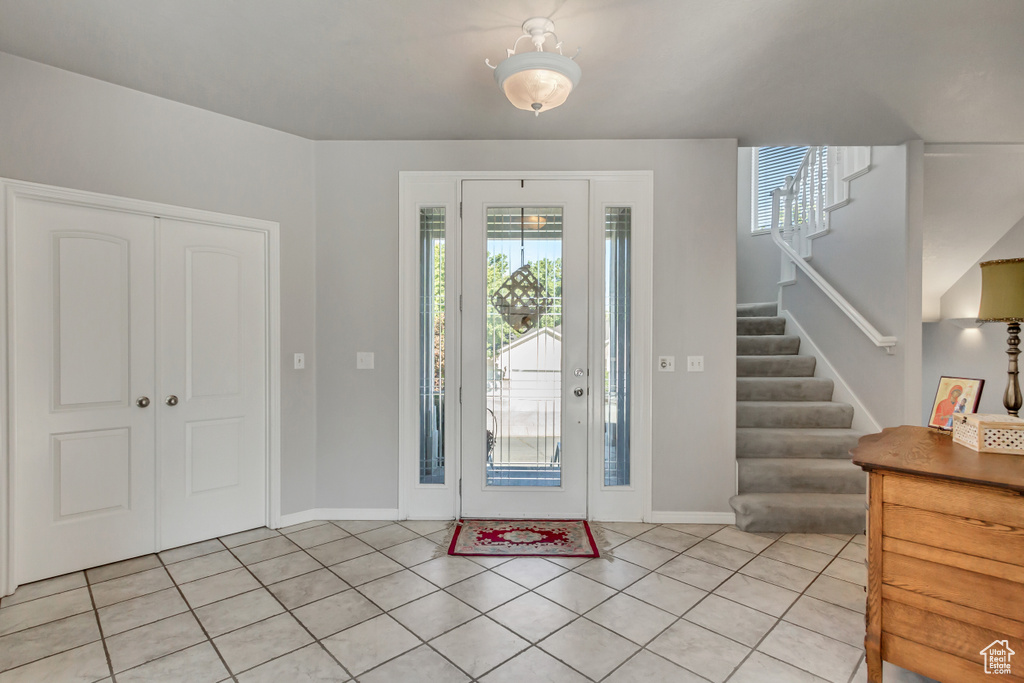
(578, 391)
(171, 400)
(142, 402)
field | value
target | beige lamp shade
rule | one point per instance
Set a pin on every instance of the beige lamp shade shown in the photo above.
(1002, 290)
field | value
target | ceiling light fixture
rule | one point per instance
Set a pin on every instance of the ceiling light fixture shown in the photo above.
(537, 81)
(534, 222)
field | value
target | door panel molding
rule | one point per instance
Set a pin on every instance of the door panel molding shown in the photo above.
(12, 193)
(608, 188)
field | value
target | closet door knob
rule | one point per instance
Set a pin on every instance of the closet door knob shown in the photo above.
(142, 402)
(171, 400)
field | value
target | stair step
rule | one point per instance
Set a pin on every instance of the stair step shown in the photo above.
(800, 475)
(767, 345)
(811, 513)
(794, 414)
(760, 325)
(783, 389)
(769, 308)
(761, 442)
(775, 366)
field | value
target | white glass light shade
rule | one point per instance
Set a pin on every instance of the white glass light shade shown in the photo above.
(537, 81)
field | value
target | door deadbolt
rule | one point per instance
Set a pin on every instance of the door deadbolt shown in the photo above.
(171, 400)
(142, 402)
(578, 391)
(578, 372)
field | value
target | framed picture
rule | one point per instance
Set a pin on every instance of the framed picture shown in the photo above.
(954, 395)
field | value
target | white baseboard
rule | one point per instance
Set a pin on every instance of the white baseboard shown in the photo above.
(693, 517)
(389, 514)
(863, 420)
(295, 518)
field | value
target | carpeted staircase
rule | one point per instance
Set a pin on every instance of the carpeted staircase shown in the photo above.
(792, 439)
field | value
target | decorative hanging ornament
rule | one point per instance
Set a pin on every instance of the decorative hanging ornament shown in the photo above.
(521, 300)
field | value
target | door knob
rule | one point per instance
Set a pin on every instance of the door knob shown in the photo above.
(578, 391)
(142, 402)
(171, 400)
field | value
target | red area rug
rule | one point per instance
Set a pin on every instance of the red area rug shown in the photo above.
(523, 538)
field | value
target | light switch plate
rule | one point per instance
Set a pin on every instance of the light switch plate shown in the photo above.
(695, 363)
(364, 360)
(300, 361)
(667, 363)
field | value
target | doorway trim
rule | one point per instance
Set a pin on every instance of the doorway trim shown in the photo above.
(10, 190)
(421, 189)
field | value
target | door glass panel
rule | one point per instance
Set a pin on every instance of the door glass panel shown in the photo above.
(617, 256)
(524, 347)
(431, 341)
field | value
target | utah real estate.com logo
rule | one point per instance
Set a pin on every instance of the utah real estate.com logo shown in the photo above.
(997, 657)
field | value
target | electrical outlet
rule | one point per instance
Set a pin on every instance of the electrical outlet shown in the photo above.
(667, 363)
(364, 360)
(300, 361)
(695, 363)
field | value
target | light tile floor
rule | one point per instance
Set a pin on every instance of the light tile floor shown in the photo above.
(368, 601)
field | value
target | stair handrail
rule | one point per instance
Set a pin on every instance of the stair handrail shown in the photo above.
(799, 214)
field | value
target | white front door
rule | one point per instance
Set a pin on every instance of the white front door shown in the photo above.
(82, 387)
(212, 392)
(524, 348)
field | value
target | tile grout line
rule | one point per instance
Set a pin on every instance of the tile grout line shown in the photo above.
(99, 627)
(176, 586)
(262, 586)
(375, 550)
(781, 618)
(440, 589)
(481, 613)
(734, 573)
(48, 595)
(46, 623)
(354, 588)
(288, 611)
(681, 617)
(198, 621)
(582, 615)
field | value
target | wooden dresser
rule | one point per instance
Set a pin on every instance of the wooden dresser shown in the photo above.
(945, 556)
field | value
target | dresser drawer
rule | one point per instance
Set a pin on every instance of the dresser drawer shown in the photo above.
(979, 591)
(934, 663)
(998, 506)
(968, 535)
(942, 633)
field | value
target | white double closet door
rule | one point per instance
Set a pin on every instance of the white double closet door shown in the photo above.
(139, 384)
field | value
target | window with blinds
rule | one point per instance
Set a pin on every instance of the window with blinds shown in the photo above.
(770, 168)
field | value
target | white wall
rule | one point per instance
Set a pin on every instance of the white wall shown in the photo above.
(873, 258)
(758, 260)
(68, 130)
(63, 129)
(974, 352)
(694, 304)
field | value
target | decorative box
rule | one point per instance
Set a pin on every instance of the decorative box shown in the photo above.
(990, 433)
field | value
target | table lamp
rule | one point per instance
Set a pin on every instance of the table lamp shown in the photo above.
(1002, 300)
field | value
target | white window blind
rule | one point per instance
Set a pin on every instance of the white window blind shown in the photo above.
(771, 166)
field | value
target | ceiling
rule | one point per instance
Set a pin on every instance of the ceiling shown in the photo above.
(766, 72)
(973, 194)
